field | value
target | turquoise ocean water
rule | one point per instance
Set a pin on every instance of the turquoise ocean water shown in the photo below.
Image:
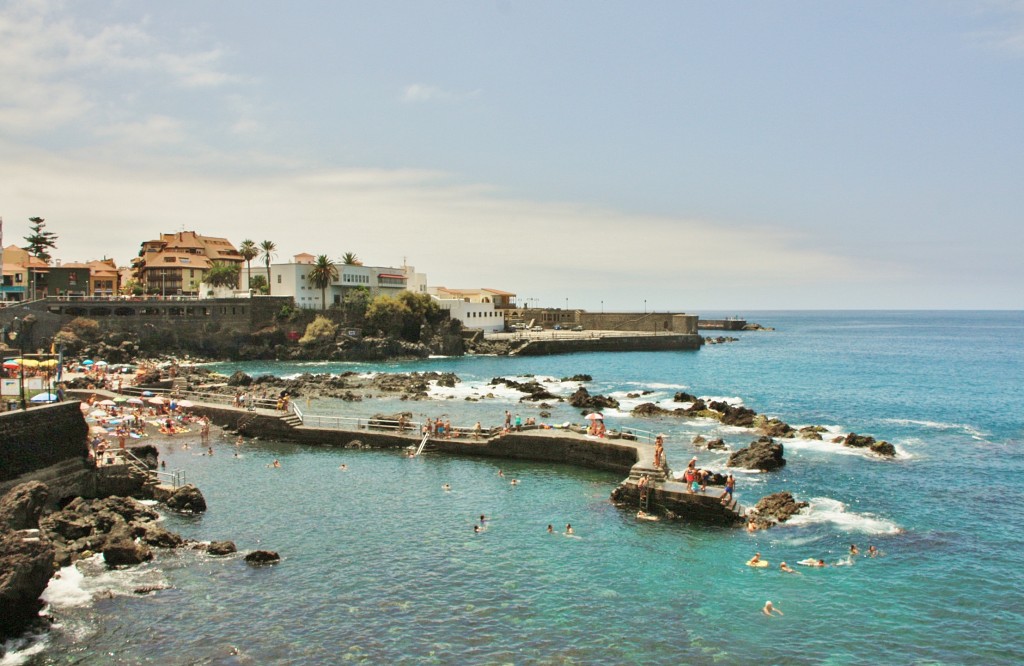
(382, 566)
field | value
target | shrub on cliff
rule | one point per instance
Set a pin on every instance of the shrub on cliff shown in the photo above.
(320, 330)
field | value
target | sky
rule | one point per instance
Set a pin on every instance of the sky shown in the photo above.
(666, 155)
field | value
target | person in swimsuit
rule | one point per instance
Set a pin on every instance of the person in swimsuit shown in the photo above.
(769, 609)
(788, 569)
(730, 484)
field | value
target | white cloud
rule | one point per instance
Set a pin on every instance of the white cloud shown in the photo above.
(154, 130)
(419, 92)
(56, 70)
(460, 235)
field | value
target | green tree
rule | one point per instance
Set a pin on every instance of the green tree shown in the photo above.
(323, 273)
(386, 315)
(222, 274)
(321, 329)
(258, 283)
(40, 240)
(268, 252)
(357, 300)
(350, 259)
(420, 309)
(249, 251)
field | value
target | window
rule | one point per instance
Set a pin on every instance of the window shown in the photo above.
(279, 279)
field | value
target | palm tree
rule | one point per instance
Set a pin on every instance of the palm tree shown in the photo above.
(222, 274)
(323, 273)
(350, 259)
(249, 251)
(267, 251)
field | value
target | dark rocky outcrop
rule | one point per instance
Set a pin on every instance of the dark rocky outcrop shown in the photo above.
(763, 454)
(863, 441)
(733, 415)
(239, 378)
(577, 378)
(775, 508)
(187, 499)
(260, 557)
(121, 549)
(21, 508)
(533, 389)
(221, 548)
(775, 428)
(26, 564)
(684, 397)
(583, 400)
(716, 444)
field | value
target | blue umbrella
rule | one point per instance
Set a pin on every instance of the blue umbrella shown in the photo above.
(44, 397)
(87, 361)
(148, 394)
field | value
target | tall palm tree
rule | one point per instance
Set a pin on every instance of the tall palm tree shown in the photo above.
(267, 252)
(323, 273)
(249, 251)
(350, 259)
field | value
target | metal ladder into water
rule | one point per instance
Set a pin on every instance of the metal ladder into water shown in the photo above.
(422, 444)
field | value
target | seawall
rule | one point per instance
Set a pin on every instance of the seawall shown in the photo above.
(611, 343)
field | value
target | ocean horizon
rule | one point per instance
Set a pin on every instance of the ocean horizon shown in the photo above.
(380, 564)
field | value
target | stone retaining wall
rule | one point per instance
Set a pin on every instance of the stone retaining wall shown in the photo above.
(40, 437)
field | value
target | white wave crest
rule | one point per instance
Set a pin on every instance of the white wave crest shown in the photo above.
(825, 510)
(18, 651)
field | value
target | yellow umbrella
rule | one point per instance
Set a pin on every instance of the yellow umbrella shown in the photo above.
(30, 363)
(48, 363)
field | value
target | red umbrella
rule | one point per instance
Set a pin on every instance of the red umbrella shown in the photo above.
(594, 416)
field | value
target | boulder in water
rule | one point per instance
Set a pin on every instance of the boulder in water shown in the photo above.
(187, 499)
(764, 454)
(260, 557)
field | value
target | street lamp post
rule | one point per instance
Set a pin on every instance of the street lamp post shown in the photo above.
(645, 306)
(17, 334)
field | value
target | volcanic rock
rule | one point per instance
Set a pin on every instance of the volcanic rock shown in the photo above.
(21, 507)
(763, 454)
(221, 548)
(187, 499)
(259, 557)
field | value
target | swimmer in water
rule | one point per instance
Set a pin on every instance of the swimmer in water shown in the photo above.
(788, 569)
(500, 473)
(483, 519)
(446, 487)
(343, 467)
(853, 550)
(872, 551)
(568, 528)
(476, 529)
(551, 529)
(515, 482)
(769, 609)
(276, 463)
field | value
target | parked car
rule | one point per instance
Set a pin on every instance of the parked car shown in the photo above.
(577, 328)
(537, 329)
(518, 326)
(557, 327)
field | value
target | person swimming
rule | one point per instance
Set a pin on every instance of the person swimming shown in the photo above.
(515, 482)
(788, 569)
(769, 609)
(551, 529)
(343, 467)
(446, 487)
(568, 528)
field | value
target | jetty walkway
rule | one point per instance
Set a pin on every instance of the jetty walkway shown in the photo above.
(623, 452)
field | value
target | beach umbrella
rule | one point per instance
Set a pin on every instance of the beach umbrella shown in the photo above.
(30, 363)
(147, 394)
(108, 403)
(98, 413)
(48, 363)
(12, 364)
(135, 401)
(594, 416)
(87, 361)
(186, 403)
(44, 397)
(156, 401)
(120, 398)
(101, 363)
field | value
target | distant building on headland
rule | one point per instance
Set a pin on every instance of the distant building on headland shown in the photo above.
(175, 264)
(477, 309)
(292, 279)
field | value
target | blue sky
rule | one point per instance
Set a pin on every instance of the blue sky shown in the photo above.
(699, 156)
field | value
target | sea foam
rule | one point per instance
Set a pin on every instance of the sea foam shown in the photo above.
(825, 510)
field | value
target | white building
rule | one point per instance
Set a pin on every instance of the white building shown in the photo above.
(292, 279)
